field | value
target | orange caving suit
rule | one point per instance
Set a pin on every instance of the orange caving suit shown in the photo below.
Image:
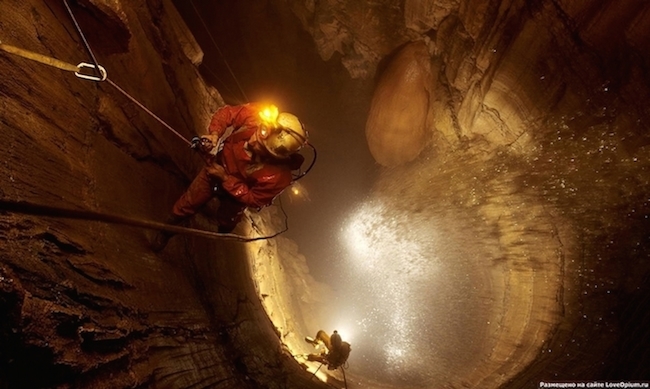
(251, 181)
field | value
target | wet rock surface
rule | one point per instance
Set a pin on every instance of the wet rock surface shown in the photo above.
(87, 304)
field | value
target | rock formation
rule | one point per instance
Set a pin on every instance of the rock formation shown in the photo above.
(397, 122)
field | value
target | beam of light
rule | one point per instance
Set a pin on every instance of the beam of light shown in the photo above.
(377, 237)
(391, 259)
(345, 329)
(269, 114)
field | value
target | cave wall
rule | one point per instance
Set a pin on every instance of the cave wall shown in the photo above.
(505, 64)
(87, 304)
(537, 134)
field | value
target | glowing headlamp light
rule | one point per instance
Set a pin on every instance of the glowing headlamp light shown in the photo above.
(269, 115)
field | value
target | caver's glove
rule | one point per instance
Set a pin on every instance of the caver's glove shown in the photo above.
(205, 143)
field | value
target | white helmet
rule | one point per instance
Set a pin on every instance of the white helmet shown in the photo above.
(283, 136)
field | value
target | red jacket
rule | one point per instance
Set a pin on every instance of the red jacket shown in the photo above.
(251, 180)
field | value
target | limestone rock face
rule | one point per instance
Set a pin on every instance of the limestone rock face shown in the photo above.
(359, 33)
(529, 105)
(88, 304)
(504, 61)
(397, 122)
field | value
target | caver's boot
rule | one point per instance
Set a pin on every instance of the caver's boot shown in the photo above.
(311, 340)
(162, 237)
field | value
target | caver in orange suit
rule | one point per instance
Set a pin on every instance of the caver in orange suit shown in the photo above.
(256, 169)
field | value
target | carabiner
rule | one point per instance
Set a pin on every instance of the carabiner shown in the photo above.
(90, 66)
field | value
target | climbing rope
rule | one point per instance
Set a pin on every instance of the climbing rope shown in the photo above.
(77, 70)
(313, 375)
(214, 42)
(345, 380)
(148, 111)
(74, 20)
(24, 207)
(90, 52)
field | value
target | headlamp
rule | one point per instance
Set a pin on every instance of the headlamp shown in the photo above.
(269, 115)
(282, 134)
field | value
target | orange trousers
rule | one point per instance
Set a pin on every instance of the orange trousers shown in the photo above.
(202, 190)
